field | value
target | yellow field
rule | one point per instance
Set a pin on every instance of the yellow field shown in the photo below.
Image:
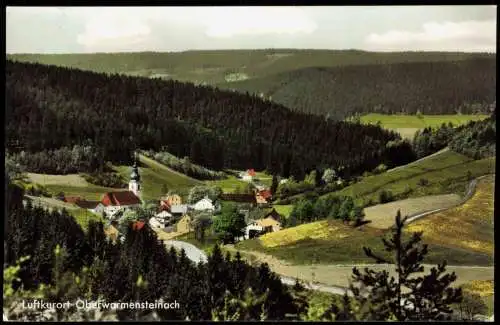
(315, 230)
(469, 226)
(484, 288)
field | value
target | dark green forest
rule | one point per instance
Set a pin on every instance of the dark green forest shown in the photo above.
(50, 107)
(466, 86)
(476, 139)
(116, 267)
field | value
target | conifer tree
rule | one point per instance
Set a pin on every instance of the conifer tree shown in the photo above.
(408, 296)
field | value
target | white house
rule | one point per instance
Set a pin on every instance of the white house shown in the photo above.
(179, 209)
(248, 176)
(155, 223)
(164, 215)
(204, 205)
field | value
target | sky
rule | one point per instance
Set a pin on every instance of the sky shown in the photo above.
(165, 29)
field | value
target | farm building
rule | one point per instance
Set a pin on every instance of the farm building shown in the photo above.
(269, 223)
(93, 206)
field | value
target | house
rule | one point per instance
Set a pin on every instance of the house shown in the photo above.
(117, 201)
(178, 210)
(164, 218)
(263, 197)
(93, 206)
(184, 224)
(204, 204)
(170, 200)
(164, 215)
(248, 175)
(155, 223)
(269, 223)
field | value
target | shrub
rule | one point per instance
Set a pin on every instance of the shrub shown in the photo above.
(386, 196)
(423, 182)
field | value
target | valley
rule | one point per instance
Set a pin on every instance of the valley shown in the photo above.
(198, 175)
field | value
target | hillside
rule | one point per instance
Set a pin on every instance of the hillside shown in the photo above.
(462, 236)
(219, 66)
(49, 107)
(446, 172)
(425, 87)
(326, 82)
(153, 176)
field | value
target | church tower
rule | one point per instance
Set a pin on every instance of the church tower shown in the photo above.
(135, 180)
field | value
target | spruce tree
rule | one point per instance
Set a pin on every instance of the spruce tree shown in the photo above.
(410, 295)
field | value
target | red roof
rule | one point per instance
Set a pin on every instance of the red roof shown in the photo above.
(251, 172)
(266, 194)
(164, 206)
(138, 225)
(120, 198)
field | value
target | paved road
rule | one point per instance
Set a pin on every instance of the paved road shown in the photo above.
(196, 255)
(192, 252)
(470, 191)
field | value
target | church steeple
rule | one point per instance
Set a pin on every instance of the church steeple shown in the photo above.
(135, 179)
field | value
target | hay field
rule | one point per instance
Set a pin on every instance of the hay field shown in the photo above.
(70, 180)
(469, 226)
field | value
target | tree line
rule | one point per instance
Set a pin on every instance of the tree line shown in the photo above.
(51, 107)
(476, 139)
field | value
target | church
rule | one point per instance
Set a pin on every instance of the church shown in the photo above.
(123, 200)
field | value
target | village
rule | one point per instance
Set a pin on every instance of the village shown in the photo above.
(171, 216)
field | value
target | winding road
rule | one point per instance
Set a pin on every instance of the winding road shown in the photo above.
(197, 255)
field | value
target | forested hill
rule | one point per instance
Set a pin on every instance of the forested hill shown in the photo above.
(216, 66)
(466, 86)
(49, 107)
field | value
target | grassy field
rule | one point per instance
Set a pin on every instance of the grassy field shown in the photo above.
(382, 215)
(153, 176)
(229, 184)
(82, 216)
(70, 185)
(331, 242)
(70, 180)
(462, 236)
(446, 173)
(413, 121)
(469, 226)
(408, 125)
(284, 210)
